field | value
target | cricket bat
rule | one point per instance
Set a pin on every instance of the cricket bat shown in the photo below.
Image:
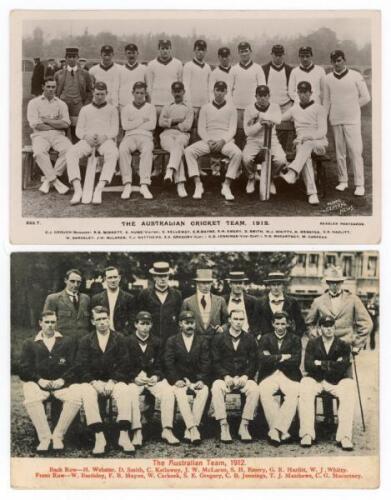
(89, 181)
(266, 172)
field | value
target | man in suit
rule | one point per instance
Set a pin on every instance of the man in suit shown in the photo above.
(234, 362)
(277, 301)
(327, 362)
(187, 365)
(71, 307)
(279, 370)
(46, 369)
(239, 299)
(162, 302)
(120, 304)
(38, 77)
(145, 374)
(74, 86)
(210, 311)
(352, 321)
(102, 362)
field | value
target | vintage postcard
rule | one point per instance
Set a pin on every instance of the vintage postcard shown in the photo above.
(183, 127)
(189, 370)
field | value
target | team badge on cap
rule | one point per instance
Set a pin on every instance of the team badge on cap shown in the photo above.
(224, 52)
(220, 85)
(244, 46)
(144, 316)
(304, 87)
(336, 54)
(106, 49)
(131, 47)
(200, 44)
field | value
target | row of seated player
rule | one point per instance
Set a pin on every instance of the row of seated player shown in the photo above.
(98, 126)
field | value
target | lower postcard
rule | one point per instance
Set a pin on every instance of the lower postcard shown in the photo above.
(195, 369)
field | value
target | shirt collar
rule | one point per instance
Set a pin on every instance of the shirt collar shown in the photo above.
(142, 341)
(40, 336)
(307, 105)
(219, 106)
(277, 68)
(99, 105)
(280, 338)
(106, 68)
(139, 106)
(72, 69)
(276, 297)
(131, 68)
(164, 62)
(226, 70)
(235, 298)
(72, 294)
(46, 99)
(246, 66)
(200, 64)
(307, 70)
(342, 74)
(235, 337)
(260, 108)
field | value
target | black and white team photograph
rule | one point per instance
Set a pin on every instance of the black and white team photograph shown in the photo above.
(190, 116)
(223, 354)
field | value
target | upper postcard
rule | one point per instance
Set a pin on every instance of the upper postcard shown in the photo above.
(195, 127)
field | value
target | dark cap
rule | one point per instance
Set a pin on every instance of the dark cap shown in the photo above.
(304, 87)
(132, 47)
(200, 44)
(100, 86)
(220, 85)
(336, 54)
(144, 316)
(186, 315)
(107, 49)
(71, 51)
(177, 86)
(326, 321)
(224, 52)
(305, 51)
(262, 90)
(164, 44)
(278, 50)
(244, 46)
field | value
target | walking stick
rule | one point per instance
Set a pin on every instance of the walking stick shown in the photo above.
(266, 172)
(359, 393)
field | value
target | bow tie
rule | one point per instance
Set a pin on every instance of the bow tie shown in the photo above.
(277, 301)
(237, 301)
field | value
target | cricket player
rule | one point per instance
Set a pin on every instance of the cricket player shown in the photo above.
(277, 74)
(307, 71)
(222, 73)
(196, 74)
(132, 72)
(109, 73)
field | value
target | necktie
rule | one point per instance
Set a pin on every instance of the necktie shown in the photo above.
(237, 301)
(72, 72)
(203, 301)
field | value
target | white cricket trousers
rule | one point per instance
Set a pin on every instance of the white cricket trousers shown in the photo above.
(162, 391)
(254, 146)
(121, 395)
(279, 416)
(175, 144)
(348, 139)
(303, 162)
(110, 156)
(191, 416)
(201, 148)
(41, 144)
(219, 391)
(130, 144)
(344, 391)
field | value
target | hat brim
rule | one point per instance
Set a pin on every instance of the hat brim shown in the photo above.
(236, 279)
(204, 280)
(328, 280)
(155, 273)
(276, 280)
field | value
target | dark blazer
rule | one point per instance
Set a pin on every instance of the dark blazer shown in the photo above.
(84, 80)
(71, 320)
(164, 316)
(286, 68)
(124, 310)
(270, 355)
(290, 306)
(194, 365)
(93, 364)
(251, 305)
(149, 361)
(218, 314)
(37, 79)
(37, 361)
(335, 365)
(227, 361)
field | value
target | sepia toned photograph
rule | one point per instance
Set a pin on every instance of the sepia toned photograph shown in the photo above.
(229, 116)
(164, 360)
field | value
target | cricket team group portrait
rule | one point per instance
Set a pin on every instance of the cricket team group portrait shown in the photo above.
(130, 123)
(195, 353)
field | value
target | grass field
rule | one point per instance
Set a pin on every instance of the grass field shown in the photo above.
(289, 201)
(79, 443)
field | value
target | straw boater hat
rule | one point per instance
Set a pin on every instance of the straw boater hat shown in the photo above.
(236, 276)
(204, 275)
(333, 273)
(160, 269)
(276, 277)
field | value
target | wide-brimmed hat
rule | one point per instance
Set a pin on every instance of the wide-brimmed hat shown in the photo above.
(236, 276)
(276, 277)
(160, 269)
(333, 273)
(204, 275)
